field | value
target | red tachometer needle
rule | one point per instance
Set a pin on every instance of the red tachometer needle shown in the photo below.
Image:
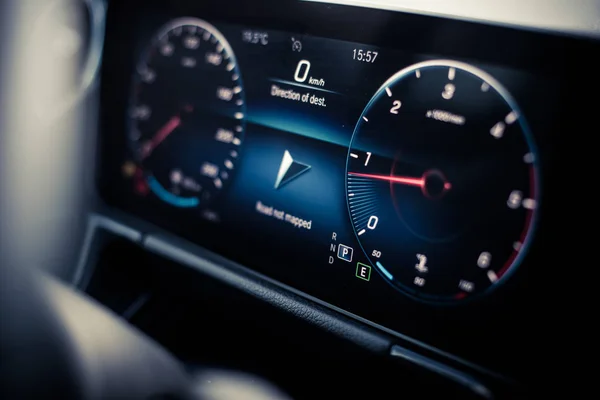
(419, 182)
(161, 135)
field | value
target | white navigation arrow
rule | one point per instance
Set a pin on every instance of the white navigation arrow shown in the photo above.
(289, 169)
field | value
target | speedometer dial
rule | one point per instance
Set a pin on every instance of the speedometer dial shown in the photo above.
(442, 181)
(187, 113)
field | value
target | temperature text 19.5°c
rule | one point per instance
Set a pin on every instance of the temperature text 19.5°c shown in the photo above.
(364, 55)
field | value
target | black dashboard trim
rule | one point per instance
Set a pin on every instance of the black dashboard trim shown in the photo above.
(93, 239)
(579, 23)
(362, 332)
(291, 302)
(457, 376)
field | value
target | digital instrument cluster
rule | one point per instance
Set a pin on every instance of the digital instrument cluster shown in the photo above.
(398, 172)
(441, 177)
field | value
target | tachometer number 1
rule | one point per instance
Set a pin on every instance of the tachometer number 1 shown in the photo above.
(354, 155)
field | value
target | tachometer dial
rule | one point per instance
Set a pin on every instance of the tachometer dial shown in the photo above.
(187, 113)
(442, 181)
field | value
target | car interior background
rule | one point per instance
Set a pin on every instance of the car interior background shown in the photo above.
(287, 199)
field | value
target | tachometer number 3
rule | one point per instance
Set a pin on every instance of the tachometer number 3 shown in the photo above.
(448, 92)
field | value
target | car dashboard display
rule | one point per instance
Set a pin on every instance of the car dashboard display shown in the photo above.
(392, 165)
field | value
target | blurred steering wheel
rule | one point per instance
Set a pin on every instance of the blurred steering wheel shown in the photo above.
(55, 342)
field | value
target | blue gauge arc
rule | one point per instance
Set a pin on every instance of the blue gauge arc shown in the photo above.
(170, 198)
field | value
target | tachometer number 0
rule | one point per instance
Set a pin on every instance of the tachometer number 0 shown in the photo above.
(372, 223)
